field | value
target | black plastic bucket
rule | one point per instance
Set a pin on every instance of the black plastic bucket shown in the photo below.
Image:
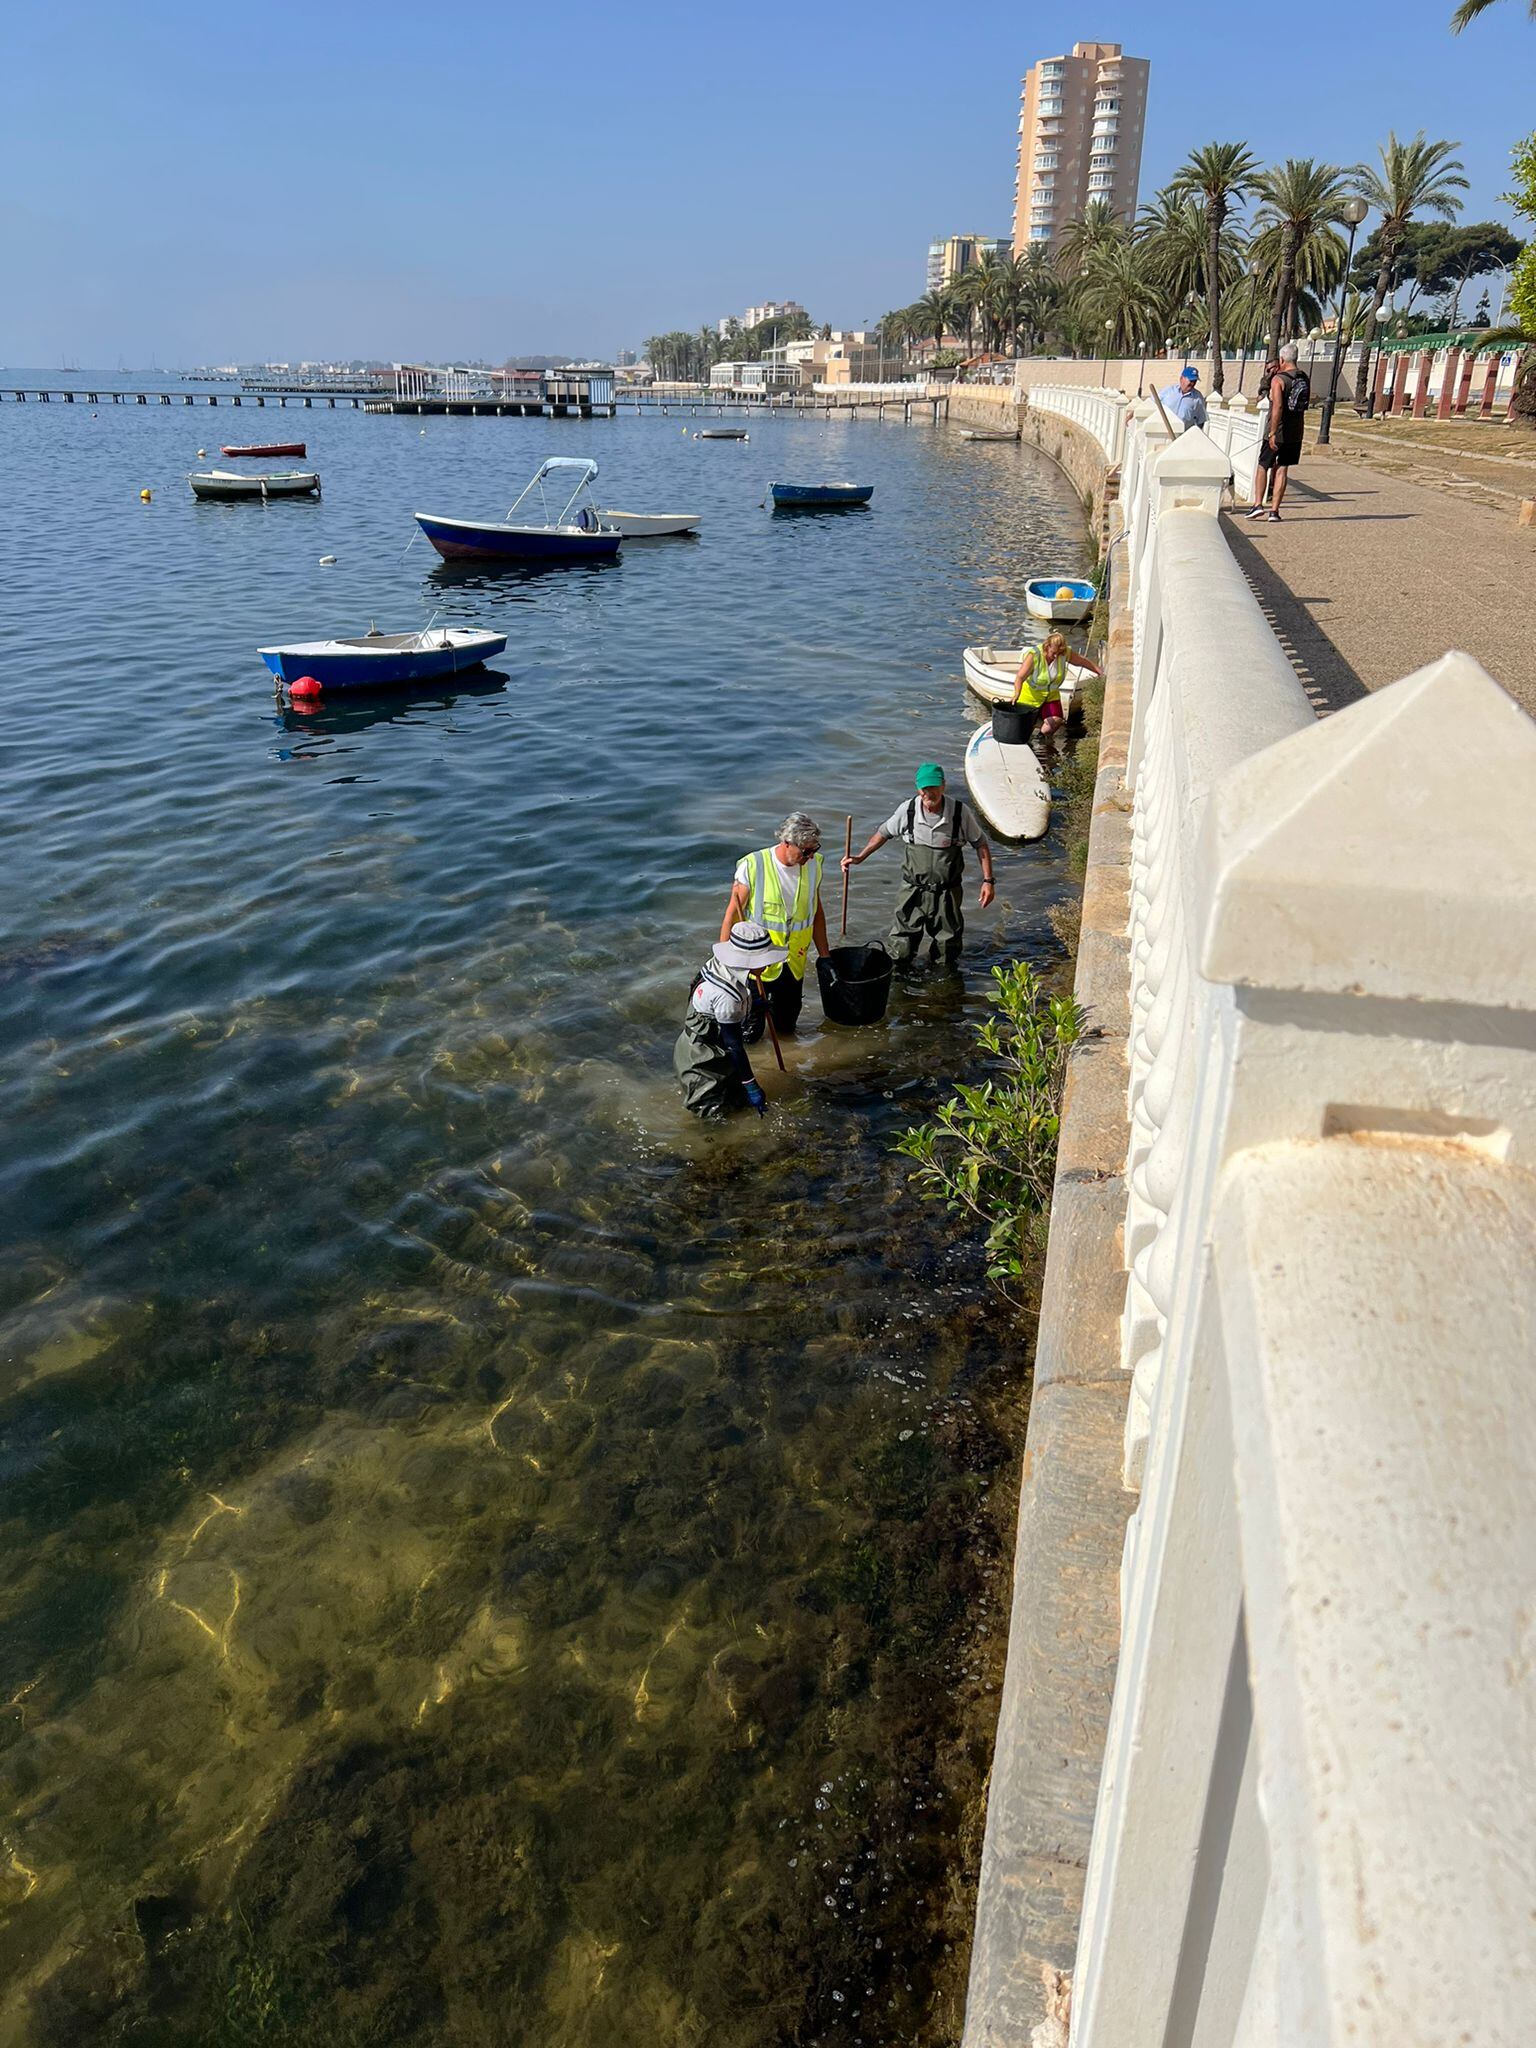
(855, 983)
(1012, 724)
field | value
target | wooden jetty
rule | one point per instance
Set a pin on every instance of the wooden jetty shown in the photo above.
(78, 396)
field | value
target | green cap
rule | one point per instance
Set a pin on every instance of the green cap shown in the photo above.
(930, 776)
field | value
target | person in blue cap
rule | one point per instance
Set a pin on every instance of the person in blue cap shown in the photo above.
(1182, 401)
(935, 830)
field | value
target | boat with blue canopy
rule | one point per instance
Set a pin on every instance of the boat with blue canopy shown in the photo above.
(377, 661)
(567, 534)
(808, 497)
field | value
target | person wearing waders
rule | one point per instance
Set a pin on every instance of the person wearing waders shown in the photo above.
(935, 830)
(711, 1054)
(780, 886)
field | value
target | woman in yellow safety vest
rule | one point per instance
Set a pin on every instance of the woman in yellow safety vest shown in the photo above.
(1037, 686)
(780, 886)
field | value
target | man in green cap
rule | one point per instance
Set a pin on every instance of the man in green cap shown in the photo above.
(935, 830)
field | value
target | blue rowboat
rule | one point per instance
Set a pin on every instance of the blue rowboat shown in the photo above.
(803, 496)
(567, 535)
(376, 661)
(1064, 600)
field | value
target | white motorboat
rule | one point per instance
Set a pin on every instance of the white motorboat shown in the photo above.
(263, 484)
(990, 672)
(649, 525)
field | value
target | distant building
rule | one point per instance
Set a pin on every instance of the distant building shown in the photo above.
(953, 255)
(772, 309)
(1081, 120)
(626, 358)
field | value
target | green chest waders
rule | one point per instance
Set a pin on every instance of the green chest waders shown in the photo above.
(929, 908)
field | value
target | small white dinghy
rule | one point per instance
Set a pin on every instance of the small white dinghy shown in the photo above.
(263, 484)
(649, 525)
(1060, 600)
(1008, 786)
(990, 672)
(989, 434)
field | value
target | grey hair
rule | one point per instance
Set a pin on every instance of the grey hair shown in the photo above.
(800, 829)
(1289, 352)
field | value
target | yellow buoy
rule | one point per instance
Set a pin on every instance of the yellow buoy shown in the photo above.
(145, 496)
(1065, 594)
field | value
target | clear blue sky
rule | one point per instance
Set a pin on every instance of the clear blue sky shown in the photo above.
(198, 183)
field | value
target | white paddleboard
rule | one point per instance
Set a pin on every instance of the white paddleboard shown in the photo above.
(1008, 786)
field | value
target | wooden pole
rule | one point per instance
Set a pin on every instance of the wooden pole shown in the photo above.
(847, 852)
(778, 1050)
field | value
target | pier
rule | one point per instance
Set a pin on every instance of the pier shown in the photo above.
(1260, 1772)
(57, 395)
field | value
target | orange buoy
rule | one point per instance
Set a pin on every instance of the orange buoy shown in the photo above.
(304, 686)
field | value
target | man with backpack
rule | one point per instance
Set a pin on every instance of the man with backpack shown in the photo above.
(935, 830)
(1289, 395)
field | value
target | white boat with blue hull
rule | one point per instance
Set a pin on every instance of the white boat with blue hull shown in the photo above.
(379, 661)
(564, 535)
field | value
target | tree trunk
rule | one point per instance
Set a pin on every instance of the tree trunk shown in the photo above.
(1285, 288)
(1218, 215)
(1522, 400)
(1368, 331)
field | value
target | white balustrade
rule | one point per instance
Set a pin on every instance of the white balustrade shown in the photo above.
(1317, 1817)
(1099, 413)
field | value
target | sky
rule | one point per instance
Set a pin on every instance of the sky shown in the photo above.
(190, 184)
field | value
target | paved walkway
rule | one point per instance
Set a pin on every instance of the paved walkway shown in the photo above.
(1369, 576)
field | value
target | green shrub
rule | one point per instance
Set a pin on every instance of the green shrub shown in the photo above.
(991, 1149)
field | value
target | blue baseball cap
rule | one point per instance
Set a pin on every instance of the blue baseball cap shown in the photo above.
(1190, 372)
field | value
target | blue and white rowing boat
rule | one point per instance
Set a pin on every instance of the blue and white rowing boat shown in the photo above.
(1064, 600)
(800, 497)
(584, 537)
(378, 661)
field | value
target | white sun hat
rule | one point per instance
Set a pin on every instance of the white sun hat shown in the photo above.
(750, 946)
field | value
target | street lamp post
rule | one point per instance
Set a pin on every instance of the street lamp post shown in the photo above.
(1355, 211)
(1104, 373)
(1253, 305)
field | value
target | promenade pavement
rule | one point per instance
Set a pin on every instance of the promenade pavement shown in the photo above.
(1369, 575)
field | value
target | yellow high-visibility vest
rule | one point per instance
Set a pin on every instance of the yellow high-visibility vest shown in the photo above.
(789, 925)
(1035, 692)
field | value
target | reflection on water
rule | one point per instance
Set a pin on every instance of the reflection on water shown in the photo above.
(486, 1562)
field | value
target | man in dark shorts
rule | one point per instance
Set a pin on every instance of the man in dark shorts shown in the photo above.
(1287, 397)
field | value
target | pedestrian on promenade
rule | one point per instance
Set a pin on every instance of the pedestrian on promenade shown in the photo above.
(1183, 400)
(1289, 394)
(1038, 684)
(935, 830)
(780, 886)
(710, 1056)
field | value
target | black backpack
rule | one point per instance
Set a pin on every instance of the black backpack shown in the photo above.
(1299, 397)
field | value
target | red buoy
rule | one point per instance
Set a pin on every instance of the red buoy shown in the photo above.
(304, 686)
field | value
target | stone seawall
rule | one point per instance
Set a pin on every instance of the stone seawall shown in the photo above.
(1064, 1629)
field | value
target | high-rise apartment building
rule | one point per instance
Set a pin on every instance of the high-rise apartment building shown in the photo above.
(1080, 130)
(950, 256)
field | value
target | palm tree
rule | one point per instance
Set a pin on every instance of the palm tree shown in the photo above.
(1173, 232)
(1118, 296)
(1300, 202)
(1415, 177)
(936, 313)
(1039, 294)
(1469, 10)
(1099, 225)
(1218, 177)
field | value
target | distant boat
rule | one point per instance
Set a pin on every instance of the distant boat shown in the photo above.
(378, 660)
(649, 525)
(721, 434)
(990, 672)
(803, 496)
(264, 484)
(1008, 786)
(989, 433)
(584, 538)
(1044, 599)
(269, 448)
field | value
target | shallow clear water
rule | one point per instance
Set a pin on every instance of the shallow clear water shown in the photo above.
(484, 1561)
